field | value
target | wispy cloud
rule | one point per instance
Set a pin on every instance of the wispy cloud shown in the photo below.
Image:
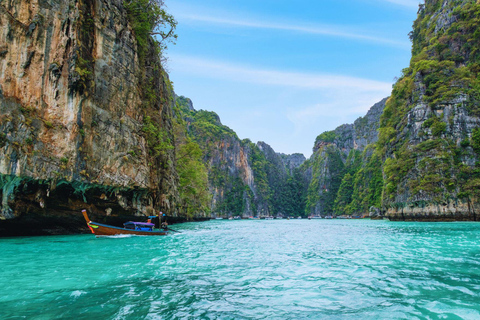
(241, 73)
(406, 3)
(342, 107)
(336, 98)
(322, 30)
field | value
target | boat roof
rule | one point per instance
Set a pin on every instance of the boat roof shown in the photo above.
(140, 223)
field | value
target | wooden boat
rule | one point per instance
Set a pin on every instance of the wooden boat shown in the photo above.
(133, 228)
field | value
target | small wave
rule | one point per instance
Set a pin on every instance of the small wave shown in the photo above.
(118, 236)
(77, 293)
(124, 311)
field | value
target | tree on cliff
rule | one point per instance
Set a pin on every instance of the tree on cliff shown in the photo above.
(149, 19)
(194, 193)
(195, 196)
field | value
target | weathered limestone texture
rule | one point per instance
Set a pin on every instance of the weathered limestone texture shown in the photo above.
(430, 130)
(333, 154)
(72, 114)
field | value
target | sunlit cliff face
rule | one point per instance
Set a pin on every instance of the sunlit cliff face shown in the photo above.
(71, 111)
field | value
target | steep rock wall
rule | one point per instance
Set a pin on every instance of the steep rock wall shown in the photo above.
(72, 114)
(342, 153)
(327, 170)
(429, 129)
(292, 161)
(287, 187)
(356, 136)
(245, 179)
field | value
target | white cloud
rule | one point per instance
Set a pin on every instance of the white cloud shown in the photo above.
(309, 102)
(324, 30)
(406, 3)
(240, 73)
(339, 106)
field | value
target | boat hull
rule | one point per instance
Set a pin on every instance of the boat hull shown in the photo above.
(105, 230)
(100, 229)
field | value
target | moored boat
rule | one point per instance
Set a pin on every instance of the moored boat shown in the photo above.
(131, 227)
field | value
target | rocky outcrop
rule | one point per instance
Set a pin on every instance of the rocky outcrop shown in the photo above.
(73, 114)
(339, 157)
(245, 179)
(424, 162)
(292, 161)
(327, 170)
(356, 136)
(429, 131)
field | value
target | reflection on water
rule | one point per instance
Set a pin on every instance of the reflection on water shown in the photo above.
(280, 269)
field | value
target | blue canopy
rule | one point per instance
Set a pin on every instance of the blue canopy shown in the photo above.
(146, 224)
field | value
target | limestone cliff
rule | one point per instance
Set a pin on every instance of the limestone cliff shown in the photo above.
(77, 123)
(342, 159)
(245, 179)
(292, 161)
(429, 135)
(425, 164)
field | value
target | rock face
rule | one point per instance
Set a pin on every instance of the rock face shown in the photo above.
(342, 158)
(425, 164)
(292, 161)
(245, 179)
(429, 131)
(73, 114)
(356, 136)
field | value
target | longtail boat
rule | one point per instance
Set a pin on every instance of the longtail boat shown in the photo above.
(134, 228)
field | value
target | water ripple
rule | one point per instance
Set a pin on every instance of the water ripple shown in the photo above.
(283, 269)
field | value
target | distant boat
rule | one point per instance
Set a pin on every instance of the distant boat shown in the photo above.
(219, 218)
(315, 217)
(131, 227)
(299, 217)
(268, 218)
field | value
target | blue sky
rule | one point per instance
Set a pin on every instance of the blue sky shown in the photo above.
(283, 72)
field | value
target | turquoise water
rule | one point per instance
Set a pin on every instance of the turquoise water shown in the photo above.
(281, 269)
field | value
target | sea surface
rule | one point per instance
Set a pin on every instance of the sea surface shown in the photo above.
(249, 269)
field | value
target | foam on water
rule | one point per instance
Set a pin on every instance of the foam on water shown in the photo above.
(281, 269)
(77, 293)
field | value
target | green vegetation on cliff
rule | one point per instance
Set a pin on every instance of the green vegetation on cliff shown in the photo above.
(368, 183)
(150, 21)
(243, 178)
(86, 135)
(328, 170)
(344, 186)
(429, 165)
(345, 172)
(326, 137)
(193, 188)
(428, 140)
(193, 176)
